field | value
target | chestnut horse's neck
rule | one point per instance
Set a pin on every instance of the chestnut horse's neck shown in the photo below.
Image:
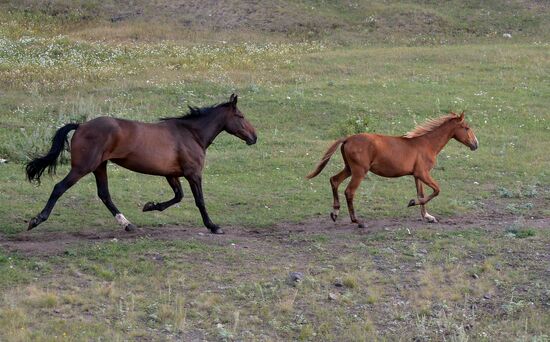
(206, 127)
(439, 137)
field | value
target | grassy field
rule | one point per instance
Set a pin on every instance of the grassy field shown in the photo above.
(482, 274)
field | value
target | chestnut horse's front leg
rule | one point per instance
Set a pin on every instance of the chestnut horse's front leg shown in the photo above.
(195, 182)
(420, 194)
(429, 181)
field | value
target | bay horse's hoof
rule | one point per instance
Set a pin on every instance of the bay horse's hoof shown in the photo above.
(149, 206)
(217, 230)
(130, 227)
(33, 223)
(361, 225)
(333, 216)
(411, 203)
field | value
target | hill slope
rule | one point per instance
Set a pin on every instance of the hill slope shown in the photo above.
(364, 20)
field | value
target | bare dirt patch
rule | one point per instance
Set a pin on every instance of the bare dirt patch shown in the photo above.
(36, 243)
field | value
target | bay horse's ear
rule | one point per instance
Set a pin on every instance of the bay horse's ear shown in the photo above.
(233, 99)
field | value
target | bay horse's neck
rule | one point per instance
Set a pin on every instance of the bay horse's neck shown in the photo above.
(206, 128)
(438, 138)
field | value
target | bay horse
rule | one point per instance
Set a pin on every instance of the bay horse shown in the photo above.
(391, 156)
(173, 147)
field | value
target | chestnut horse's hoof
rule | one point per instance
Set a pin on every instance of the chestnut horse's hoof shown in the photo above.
(411, 203)
(149, 206)
(130, 227)
(333, 216)
(430, 219)
(217, 230)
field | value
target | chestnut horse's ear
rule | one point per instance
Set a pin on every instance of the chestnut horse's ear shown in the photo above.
(461, 117)
(233, 99)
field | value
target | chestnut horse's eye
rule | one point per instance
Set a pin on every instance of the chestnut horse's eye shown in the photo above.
(466, 128)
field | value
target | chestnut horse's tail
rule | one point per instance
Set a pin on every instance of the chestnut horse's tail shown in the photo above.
(36, 167)
(326, 158)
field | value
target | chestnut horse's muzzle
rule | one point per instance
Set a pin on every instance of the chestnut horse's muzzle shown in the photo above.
(474, 145)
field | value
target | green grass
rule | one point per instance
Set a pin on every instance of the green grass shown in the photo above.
(159, 289)
(301, 90)
(297, 111)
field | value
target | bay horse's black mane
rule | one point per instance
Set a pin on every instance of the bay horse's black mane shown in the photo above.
(195, 112)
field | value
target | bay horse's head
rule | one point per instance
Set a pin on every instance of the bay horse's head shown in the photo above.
(464, 133)
(237, 125)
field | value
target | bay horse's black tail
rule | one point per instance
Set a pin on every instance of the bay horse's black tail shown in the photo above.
(36, 167)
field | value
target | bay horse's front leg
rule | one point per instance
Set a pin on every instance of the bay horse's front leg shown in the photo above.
(420, 194)
(195, 182)
(178, 195)
(429, 181)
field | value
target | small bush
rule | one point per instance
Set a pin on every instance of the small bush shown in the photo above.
(530, 191)
(520, 233)
(505, 193)
(519, 208)
(350, 281)
(527, 191)
(352, 125)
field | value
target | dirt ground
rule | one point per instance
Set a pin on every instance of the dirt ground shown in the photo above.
(404, 289)
(37, 243)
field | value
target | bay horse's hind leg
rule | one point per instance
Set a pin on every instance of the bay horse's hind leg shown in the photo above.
(335, 182)
(357, 176)
(58, 190)
(420, 194)
(103, 192)
(178, 195)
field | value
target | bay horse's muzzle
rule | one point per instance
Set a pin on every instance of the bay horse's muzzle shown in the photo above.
(252, 140)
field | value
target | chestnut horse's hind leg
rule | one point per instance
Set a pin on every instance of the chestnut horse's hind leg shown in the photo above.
(103, 192)
(356, 178)
(420, 194)
(195, 182)
(58, 190)
(335, 182)
(178, 195)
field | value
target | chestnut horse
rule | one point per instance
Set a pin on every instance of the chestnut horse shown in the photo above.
(412, 154)
(173, 147)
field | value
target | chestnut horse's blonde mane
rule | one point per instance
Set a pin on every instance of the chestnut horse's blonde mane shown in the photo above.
(429, 126)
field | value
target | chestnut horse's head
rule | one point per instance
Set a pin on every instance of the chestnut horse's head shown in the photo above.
(237, 125)
(464, 133)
